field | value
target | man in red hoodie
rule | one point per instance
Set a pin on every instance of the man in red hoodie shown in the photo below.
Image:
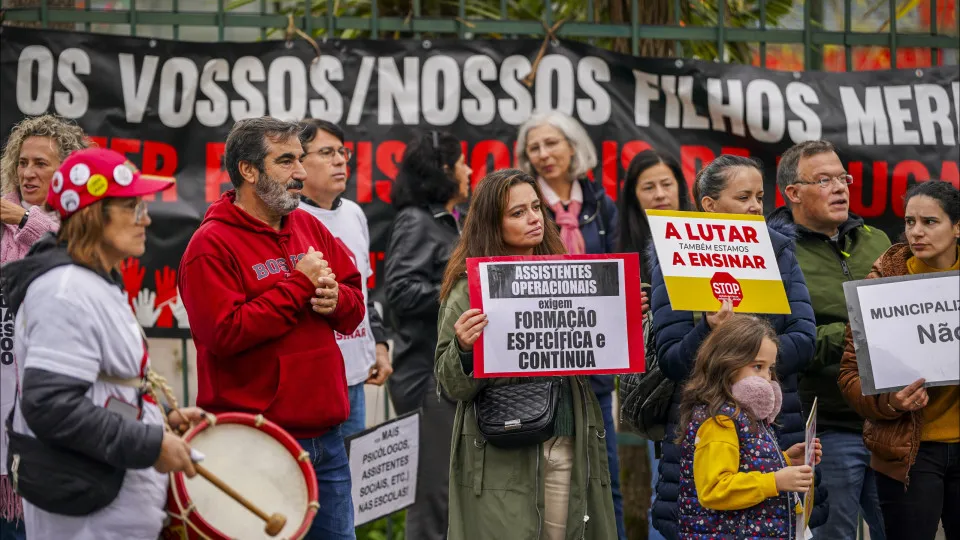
(265, 286)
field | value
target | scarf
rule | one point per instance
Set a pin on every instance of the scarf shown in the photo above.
(569, 222)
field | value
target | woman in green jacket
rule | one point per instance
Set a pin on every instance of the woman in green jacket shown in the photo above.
(556, 490)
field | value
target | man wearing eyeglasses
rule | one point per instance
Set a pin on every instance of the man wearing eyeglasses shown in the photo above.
(833, 246)
(365, 354)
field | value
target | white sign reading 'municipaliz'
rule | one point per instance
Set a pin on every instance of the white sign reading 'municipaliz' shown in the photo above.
(557, 315)
(905, 328)
(383, 468)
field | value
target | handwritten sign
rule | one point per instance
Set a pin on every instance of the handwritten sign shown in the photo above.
(557, 315)
(905, 328)
(383, 467)
(707, 258)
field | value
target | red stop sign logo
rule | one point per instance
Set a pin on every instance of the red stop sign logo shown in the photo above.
(726, 287)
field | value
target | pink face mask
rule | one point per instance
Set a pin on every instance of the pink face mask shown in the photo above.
(760, 397)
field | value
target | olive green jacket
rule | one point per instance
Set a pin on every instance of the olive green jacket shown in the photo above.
(496, 493)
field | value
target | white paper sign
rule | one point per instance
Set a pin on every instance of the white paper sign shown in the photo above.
(906, 328)
(383, 468)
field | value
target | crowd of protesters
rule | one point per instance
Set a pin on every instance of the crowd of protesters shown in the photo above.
(286, 344)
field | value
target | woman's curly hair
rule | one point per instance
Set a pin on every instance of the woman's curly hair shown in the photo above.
(65, 134)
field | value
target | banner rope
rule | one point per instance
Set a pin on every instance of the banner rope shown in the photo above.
(551, 35)
(292, 30)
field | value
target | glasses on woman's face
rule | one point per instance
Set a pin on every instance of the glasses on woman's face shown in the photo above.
(825, 181)
(326, 153)
(139, 209)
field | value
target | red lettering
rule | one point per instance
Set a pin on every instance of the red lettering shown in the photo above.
(364, 152)
(951, 173)
(480, 159)
(609, 170)
(878, 198)
(160, 159)
(902, 173)
(389, 155)
(750, 234)
(692, 159)
(678, 260)
(735, 151)
(759, 262)
(630, 151)
(125, 146)
(672, 231)
(375, 257)
(216, 176)
(99, 142)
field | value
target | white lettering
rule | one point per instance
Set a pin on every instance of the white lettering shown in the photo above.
(440, 70)
(74, 102)
(866, 122)
(136, 93)
(182, 71)
(483, 109)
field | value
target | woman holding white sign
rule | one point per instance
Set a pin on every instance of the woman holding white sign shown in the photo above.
(914, 434)
(495, 490)
(732, 185)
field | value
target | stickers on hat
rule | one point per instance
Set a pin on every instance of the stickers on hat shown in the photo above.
(122, 175)
(70, 200)
(56, 184)
(97, 185)
(79, 174)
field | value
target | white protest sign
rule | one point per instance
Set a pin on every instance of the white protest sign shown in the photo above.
(383, 468)
(557, 315)
(905, 328)
(809, 458)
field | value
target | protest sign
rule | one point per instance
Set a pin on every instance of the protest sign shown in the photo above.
(383, 467)
(707, 258)
(905, 328)
(557, 315)
(809, 458)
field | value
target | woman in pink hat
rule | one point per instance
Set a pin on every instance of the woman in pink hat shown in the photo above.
(88, 449)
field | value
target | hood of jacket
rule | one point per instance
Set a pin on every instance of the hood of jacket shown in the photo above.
(45, 255)
(226, 211)
(783, 216)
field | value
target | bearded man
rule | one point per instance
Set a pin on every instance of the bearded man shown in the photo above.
(265, 286)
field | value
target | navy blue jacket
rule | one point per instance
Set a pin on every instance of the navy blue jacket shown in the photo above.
(598, 225)
(678, 339)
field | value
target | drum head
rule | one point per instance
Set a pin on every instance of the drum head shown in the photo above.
(259, 467)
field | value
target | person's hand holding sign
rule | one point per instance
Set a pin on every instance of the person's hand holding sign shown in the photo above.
(469, 327)
(911, 398)
(718, 318)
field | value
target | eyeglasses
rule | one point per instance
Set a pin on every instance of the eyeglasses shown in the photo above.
(535, 149)
(824, 181)
(326, 153)
(139, 209)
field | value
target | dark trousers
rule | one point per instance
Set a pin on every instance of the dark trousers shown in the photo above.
(932, 496)
(427, 518)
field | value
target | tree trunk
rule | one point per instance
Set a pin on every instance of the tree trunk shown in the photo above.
(635, 477)
(651, 12)
(55, 4)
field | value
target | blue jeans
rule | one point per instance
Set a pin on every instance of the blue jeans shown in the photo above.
(653, 534)
(358, 412)
(334, 519)
(9, 531)
(851, 487)
(606, 407)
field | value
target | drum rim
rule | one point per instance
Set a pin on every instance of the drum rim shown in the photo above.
(275, 431)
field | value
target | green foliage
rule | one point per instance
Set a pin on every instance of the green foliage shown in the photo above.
(377, 530)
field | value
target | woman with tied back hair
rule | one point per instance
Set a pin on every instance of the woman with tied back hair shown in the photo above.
(433, 178)
(733, 185)
(557, 490)
(914, 434)
(34, 150)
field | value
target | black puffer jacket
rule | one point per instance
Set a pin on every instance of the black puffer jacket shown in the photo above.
(420, 245)
(678, 339)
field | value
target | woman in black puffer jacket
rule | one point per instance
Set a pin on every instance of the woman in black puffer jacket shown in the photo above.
(730, 184)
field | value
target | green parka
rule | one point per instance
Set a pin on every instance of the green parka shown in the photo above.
(496, 493)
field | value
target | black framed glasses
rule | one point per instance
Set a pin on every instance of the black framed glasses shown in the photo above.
(825, 181)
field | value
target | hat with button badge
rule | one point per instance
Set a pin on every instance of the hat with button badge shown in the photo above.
(93, 174)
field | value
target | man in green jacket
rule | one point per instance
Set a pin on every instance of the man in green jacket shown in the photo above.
(833, 246)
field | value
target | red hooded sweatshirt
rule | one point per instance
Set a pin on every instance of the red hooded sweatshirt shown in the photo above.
(261, 349)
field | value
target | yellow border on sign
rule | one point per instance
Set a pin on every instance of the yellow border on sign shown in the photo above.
(695, 294)
(711, 216)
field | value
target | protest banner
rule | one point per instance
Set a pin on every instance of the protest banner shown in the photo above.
(905, 328)
(383, 467)
(557, 315)
(707, 258)
(168, 105)
(809, 458)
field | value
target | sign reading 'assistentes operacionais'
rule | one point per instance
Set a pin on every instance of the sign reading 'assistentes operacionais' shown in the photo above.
(557, 315)
(707, 258)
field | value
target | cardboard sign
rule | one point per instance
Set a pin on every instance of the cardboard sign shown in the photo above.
(557, 315)
(707, 258)
(905, 328)
(383, 467)
(809, 458)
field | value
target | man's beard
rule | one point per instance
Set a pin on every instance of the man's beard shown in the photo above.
(275, 195)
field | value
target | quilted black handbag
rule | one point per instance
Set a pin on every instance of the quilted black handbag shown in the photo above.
(518, 415)
(647, 396)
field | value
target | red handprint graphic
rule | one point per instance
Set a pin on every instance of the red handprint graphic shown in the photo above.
(132, 274)
(166, 292)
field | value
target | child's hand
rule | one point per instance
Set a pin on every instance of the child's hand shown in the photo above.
(797, 479)
(797, 453)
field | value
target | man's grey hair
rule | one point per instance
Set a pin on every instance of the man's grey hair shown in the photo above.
(247, 142)
(788, 169)
(584, 152)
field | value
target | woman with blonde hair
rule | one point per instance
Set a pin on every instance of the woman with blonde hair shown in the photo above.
(34, 150)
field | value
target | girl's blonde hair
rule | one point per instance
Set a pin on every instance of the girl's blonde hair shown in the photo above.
(66, 136)
(730, 347)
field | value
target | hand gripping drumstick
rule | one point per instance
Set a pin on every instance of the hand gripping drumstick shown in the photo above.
(275, 522)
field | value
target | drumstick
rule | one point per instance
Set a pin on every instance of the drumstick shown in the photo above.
(274, 522)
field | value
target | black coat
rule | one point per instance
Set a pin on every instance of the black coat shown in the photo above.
(678, 339)
(420, 245)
